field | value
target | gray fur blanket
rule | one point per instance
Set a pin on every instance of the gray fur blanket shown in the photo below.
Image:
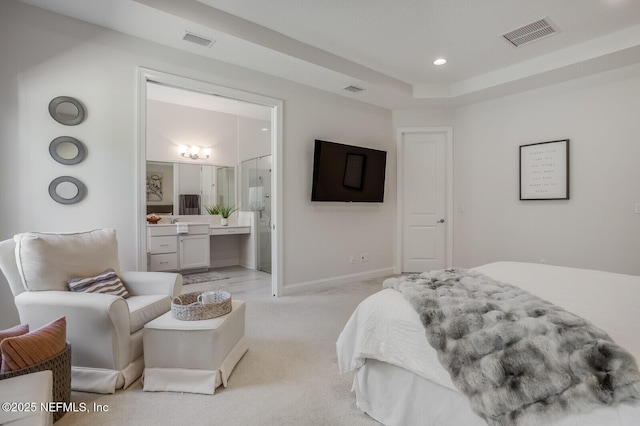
(519, 359)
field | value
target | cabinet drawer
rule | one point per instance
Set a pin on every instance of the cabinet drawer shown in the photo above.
(201, 228)
(160, 230)
(163, 262)
(163, 245)
(228, 231)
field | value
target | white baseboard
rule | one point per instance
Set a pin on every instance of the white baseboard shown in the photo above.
(336, 281)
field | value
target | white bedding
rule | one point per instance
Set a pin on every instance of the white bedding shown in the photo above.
(385, 327)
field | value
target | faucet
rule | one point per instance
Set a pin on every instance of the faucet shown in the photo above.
(173, 220)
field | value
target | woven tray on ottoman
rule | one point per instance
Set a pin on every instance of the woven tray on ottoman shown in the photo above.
(187, 308)
(60, 366)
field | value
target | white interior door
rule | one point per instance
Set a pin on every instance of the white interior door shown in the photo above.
(422, 180)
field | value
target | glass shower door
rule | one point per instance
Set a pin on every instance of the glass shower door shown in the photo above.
(256, 190)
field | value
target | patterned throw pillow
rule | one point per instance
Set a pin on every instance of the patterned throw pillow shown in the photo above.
(32, 348)
(18, 330)
(107, 282)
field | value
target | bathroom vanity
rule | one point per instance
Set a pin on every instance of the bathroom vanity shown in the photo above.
(188, 246)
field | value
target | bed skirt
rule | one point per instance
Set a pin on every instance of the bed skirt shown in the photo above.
(396, 397)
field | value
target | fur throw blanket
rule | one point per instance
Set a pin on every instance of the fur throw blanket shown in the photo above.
(519, 359)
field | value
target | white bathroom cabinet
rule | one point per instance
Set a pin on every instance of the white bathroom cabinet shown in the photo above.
(170, 251)
(194, 251)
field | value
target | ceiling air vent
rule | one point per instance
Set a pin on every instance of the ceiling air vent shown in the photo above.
(191, 37)
(530, 33)
(354, 89)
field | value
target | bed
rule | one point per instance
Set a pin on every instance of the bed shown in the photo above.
(399, 380)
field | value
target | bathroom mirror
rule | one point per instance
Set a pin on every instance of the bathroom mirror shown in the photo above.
(167, 182)
(66, 110)
(67, 190)
(67, 150)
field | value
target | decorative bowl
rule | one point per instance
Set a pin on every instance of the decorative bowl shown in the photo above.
(153, 219)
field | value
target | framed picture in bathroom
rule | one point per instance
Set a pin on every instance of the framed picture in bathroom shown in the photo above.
(154, 186)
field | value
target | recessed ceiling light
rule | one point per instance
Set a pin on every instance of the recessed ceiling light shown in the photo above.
(440, 61)
(264, 129)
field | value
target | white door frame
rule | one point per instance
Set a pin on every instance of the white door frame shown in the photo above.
(276, 105)
(448, 134)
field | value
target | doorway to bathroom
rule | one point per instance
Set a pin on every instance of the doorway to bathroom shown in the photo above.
(263, 180)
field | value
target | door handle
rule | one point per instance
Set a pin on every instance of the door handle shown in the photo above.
(440, 221)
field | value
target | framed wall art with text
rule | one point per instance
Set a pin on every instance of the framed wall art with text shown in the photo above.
(544, 170)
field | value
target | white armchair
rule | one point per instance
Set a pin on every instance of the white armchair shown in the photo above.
(105, 331)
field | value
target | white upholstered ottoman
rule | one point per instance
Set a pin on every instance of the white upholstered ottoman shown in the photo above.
(193, 356)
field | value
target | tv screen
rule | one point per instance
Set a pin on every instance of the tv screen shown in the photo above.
(348, 173)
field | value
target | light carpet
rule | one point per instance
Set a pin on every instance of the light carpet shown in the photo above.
(202, 278)
(289, 376)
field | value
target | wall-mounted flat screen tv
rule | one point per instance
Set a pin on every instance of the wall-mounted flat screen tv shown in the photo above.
(348, 173)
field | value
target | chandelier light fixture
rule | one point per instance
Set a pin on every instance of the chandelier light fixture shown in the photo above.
(194, 152)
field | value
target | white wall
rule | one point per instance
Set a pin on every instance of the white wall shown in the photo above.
(432, 117)
(597, 227)
(233, 138)
(321, 236)
(254, 142)
(47, 55)
(172, 125)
